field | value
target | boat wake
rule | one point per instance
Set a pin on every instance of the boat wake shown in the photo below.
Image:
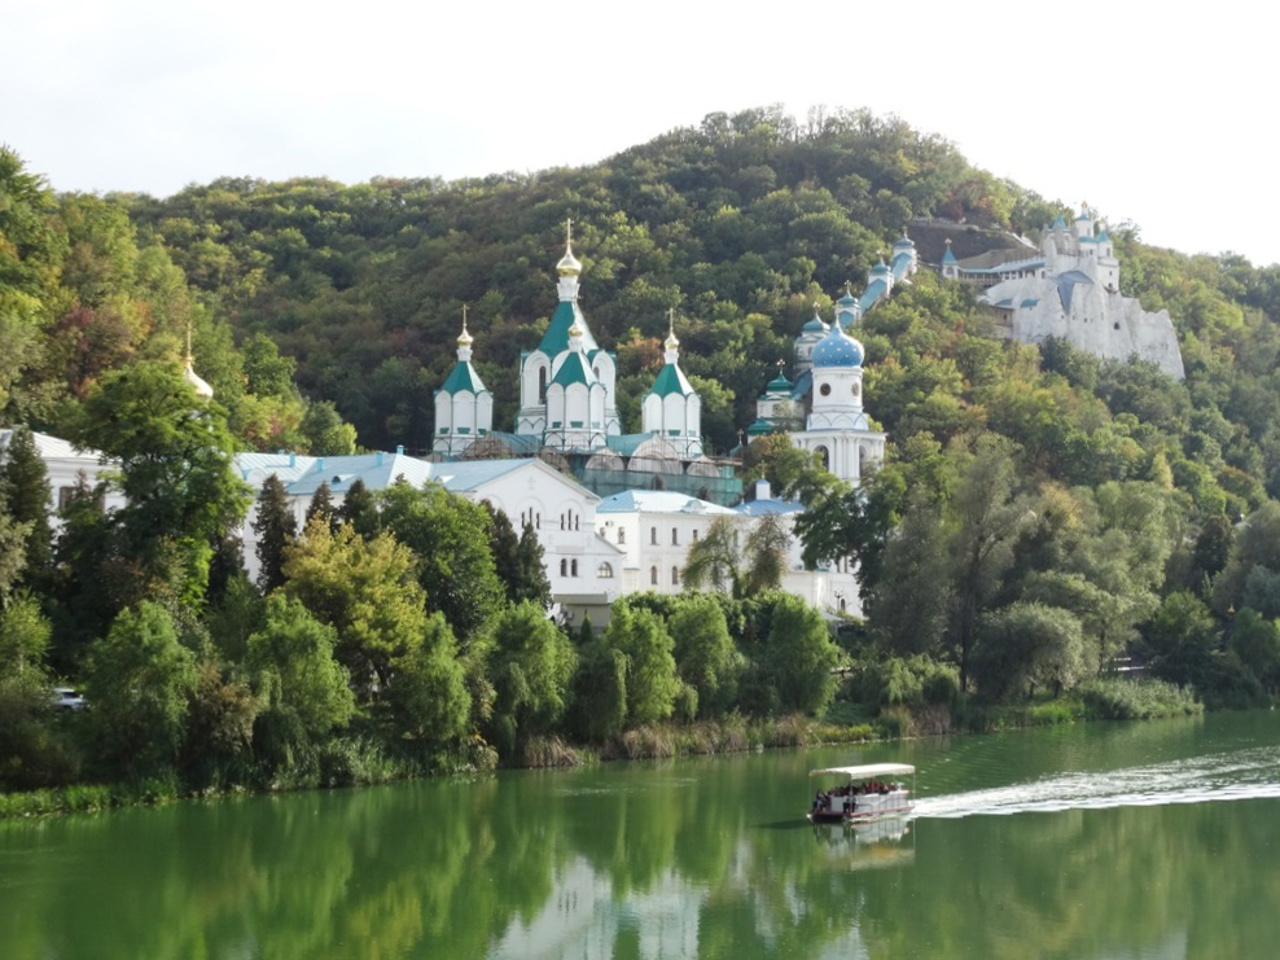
(1238, 775)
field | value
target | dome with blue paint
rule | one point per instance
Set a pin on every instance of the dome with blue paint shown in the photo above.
(816, 325)
(837, 349)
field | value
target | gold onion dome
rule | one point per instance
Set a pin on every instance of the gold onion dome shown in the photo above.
(465, 339)
(575, 330)
(568, 265)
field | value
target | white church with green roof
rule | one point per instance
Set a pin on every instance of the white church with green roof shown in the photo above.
(568, 411)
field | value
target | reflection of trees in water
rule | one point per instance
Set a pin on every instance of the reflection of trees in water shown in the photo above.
(450, 868)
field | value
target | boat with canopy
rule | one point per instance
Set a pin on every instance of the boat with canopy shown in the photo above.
(865, 792)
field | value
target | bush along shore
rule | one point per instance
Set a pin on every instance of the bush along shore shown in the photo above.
(359, 762)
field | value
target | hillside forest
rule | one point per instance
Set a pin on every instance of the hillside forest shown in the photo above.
(1042, 517)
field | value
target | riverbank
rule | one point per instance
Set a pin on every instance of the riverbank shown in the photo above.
(1096, 700)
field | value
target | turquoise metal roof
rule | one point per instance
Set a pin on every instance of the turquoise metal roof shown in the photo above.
(659, 501)
(556, 339)
(671, 379)
(1058, 221)
(760, 427)
(625, 444)
(575, 369)
(876, 290)
(949, 257)
(817, 324)
(463, 378)
(901, 265)
(302, 476)
(779, 384)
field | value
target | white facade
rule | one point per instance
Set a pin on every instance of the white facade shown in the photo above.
(464, 406)
(562, 512)
(568, 397)
(1072, 292)
(66, 467)
(672, 409)
(657, 529)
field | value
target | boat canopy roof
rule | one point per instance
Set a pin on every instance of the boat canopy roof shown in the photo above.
(867, 771)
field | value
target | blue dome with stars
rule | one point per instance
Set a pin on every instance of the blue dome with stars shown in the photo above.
(837, 349)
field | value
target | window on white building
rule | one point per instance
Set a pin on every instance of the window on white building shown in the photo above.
(653, 536)
(573, 568)
(604, 571)
(653, 576)
(675, 576)
(675, 537)
(622, 535)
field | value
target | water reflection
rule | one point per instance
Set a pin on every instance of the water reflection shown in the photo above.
(1111, 845)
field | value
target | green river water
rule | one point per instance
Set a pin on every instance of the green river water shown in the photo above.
(1150, 840)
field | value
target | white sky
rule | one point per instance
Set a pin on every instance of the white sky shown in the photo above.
(1158, 113)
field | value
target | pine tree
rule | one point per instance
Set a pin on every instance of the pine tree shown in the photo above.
(321, 505)
(505, 546)
(360, 510)
(533, 582)
(24, 493)
(275, 528)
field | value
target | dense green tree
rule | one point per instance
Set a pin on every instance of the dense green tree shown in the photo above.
(651, 682)
(910, 603)
(321, 506)
(706, 658)
(990, 515)
(450, 536)
(360, 509)
(798, 657)
(1257, 544)
(1027, 646)
(275, 527)
(366, 590)
(713, 560)
(304, 689)
(139, 679)
(531, 663)
(174, 455)
(430, 700)
(518, 561)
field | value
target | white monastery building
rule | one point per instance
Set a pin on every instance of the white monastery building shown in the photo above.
(1071, 290)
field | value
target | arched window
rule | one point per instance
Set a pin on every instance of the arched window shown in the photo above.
(653, 576)
(675, 537)
(695, 534)
(653, 536)
(604, 571)
(573, 568)
(564, 565)
(622, 535)
(675, 576)
(824, 455)
(542, 384)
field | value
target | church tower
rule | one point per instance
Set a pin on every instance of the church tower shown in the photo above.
(837, 427)
(464, 407)
(672, 409)
(580, 424)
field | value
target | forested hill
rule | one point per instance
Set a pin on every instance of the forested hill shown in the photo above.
(740, 225)
(1058, 509)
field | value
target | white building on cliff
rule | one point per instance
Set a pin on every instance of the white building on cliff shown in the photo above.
(1071, 290)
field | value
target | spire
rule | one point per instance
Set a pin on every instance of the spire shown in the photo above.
(673, 342)
(568, 265)
(189, 374)
(464, 339)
